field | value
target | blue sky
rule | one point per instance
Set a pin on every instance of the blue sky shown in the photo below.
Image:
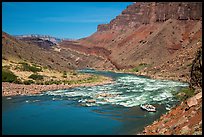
(59, 19)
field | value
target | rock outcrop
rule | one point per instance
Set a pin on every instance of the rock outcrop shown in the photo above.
(185, 119)
(164, 35)
(149, 12)
(58, 58)
(196, 71)
(42, 37)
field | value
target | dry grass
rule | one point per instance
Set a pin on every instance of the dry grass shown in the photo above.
(48, 74)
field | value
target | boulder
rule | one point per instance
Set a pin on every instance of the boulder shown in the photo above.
(198, 96)
(105, 95)
(181, 121)
(90, 101)
(163, 130)
(192, 101)
(185, 130)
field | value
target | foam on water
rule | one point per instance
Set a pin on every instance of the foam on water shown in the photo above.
(128, 91)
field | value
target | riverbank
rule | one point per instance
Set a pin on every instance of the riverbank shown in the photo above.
(184, 119)
(157, 77)
(12, 89)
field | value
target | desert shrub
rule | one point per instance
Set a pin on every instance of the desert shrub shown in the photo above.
(190, 64)
(45, 67)
(18, 68)
(94, 78)
(185, 93)
(139, 67)
(52, 82)
(36, 77)
(74, 73)
(27, 67)
(4, 58)
(18, 81)
(39, 83)
(8, 76)
(35, 65)
(64, 74)
(135, 69)
(7, 67)
(47, 83)
(28, 82)
(142, 64)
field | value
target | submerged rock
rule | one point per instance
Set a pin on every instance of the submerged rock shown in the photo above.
(91, 101)
(105, 95)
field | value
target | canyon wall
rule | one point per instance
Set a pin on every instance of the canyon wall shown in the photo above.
(149, 12)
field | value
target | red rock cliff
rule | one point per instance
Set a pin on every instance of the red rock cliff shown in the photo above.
(147, 12)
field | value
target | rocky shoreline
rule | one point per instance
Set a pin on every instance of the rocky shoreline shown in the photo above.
(157, 77)
(184, 119)
(12, 89)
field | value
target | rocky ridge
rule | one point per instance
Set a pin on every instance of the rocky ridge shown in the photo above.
(149, 12)
(164, 35)
(42, 37)
(57, 58)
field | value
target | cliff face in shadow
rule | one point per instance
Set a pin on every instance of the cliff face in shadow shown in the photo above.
(196, 71)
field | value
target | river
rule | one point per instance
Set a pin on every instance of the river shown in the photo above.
(68, 112)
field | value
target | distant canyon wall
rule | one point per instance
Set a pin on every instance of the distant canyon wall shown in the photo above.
(148, 12)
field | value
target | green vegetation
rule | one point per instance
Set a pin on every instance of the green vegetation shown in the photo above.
(18, 81)
(185, 93)
(64, 74)
(27, 67)
(190, 64)
(35, 65)
(91, 79)
(166, 120)
(8, 76)
(6, 67)
(57, 82)
(36, 77)
(45, 67)
(28, 82)
(73, 73)
(40, 79)
(140, 67)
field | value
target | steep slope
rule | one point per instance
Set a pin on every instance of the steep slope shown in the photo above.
(55, 58)
(196, 71)
(154, 34)
(186, 118)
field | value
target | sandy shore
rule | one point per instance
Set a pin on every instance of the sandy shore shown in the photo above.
(11, 89)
